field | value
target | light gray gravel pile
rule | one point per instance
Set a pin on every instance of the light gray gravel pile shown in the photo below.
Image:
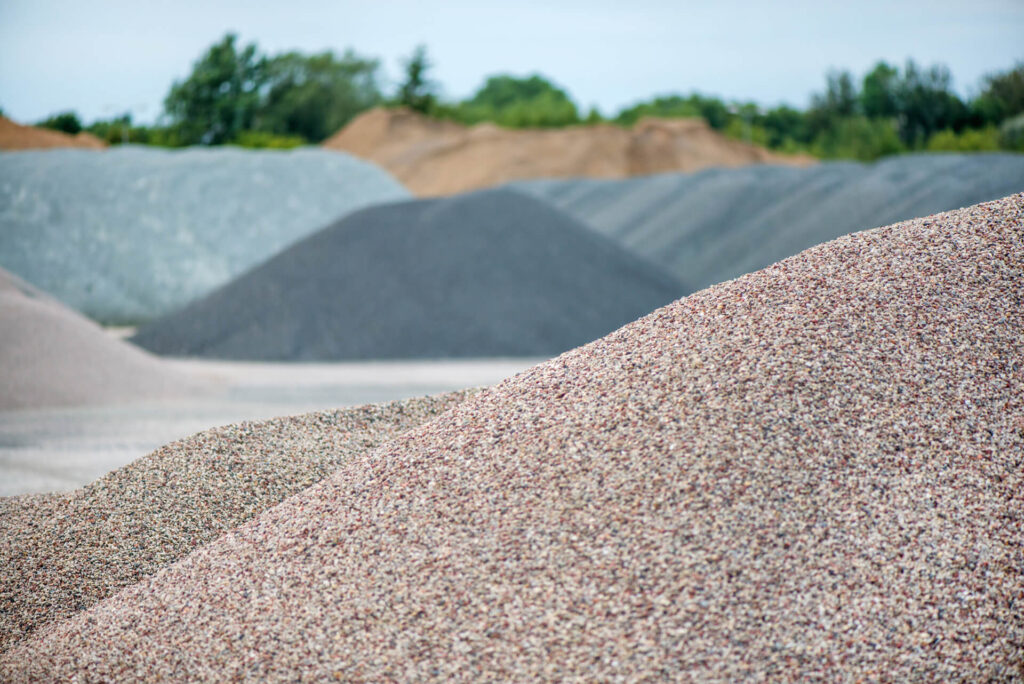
(715, 225)
(815, 471)
(488, 274)
(128, 234)
(53, 356)
(61, 553)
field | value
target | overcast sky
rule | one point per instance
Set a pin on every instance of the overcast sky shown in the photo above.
(105, 57)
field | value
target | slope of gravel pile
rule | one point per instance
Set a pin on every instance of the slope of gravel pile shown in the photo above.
(813, 471)
(127, 234)
(53, 356)
(61, 553)
(489, 274)
(718, 224)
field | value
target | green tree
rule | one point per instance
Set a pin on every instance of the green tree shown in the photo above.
(221, 96)
(838, 102)
(1002, 97)
(66, 122)
(314, 96)
(417, 91)
(879, 94)
(927, 104)
(514, 102)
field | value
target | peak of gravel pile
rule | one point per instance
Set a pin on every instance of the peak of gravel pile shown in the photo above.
(811, 472)
(14, 136)
(132, 233)
(62, 553)
(433, 157)
(489, 274)
(53, 356)
(718, 224)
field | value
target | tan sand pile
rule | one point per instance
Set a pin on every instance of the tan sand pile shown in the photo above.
(810, 472)
(14, 136)
(61, 553)
(53, 356)
(441, 157)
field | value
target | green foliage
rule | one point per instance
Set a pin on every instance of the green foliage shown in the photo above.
(265, 140)
(66, 122)
(1002, 98)
(857, 137)
(418, 92)
(969, 140)
(120, 130)
(221, 97)
(714, 111)
(594, 117)
(878, 95)
(314, 96)
(1011, 134)
(926, 104)
(530, 102)
(234, 90)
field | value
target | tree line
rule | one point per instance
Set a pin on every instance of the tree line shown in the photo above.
(237, 95)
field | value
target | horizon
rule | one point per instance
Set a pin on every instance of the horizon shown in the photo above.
(58, 56)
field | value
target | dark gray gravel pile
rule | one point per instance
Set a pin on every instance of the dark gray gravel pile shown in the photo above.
(61, 553)
(489, 274)
(127, 234)
(715, 225)
(815, 471)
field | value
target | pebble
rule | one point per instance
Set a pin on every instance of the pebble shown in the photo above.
(815, 471)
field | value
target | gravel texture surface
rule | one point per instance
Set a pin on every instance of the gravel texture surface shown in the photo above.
(715, 225)
(61, 553)
(489, 274)
(53, 356)
(815, 471)
(127, 234)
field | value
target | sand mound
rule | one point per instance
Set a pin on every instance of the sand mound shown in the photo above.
(61, 553)
(14, 136)
(441, 158)
(490, 274)
(718, 224)
(133, 233)
(52, 356)
(813, 471)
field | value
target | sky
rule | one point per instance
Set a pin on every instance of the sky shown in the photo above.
(107, 57)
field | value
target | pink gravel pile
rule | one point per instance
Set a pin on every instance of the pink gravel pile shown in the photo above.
(813, 471)
(61, 553)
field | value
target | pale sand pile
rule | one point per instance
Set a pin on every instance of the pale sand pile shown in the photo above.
(433, 157)
(53, 356)
(813, 471)
(61, 553)
(14, 136)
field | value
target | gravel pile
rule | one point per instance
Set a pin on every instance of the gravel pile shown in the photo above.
(62, 553)
(53, 356)
(490, 274)
(813, 471)
(715, 225)
(131, 233)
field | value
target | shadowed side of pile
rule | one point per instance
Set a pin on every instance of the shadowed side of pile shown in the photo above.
(814, 470)
(61, 553)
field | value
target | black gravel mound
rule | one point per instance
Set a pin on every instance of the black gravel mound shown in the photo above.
(488, 274)
(718, 224)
